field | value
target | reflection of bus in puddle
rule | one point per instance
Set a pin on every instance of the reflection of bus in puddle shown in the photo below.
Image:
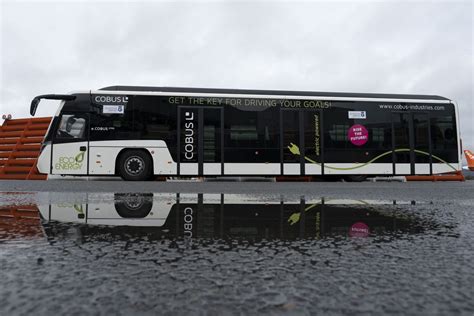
(228, 216)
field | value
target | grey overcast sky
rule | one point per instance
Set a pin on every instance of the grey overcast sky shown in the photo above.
(419, 47)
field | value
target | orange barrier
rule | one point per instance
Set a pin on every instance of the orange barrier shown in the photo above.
(469, 159)
(20, 144)
(452, 176)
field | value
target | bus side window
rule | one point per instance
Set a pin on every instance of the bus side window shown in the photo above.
(72, 127)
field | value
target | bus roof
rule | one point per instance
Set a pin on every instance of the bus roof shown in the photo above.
(275, 92)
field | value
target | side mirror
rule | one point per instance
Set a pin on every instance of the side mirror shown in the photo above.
(36, 100)
(34, 106)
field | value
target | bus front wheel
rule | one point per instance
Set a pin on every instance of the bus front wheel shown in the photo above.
(133, 205)
(135, 165)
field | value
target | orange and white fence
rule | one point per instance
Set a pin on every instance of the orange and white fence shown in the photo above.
(20, 144)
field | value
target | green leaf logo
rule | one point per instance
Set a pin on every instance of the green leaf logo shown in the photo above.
(80, 157)
(78, 208)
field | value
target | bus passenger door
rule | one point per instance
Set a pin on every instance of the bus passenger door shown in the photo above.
(422, 143)
(212, 141)
(411, 143)
(301, 142)
(200, 141)
(292, 137)
(313, 142)
(70, 145)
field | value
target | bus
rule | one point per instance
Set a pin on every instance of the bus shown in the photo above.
(139, 133)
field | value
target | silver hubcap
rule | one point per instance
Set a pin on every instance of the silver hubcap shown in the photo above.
(134, 202)
(134, 165)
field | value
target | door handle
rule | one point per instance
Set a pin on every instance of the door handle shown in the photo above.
(83, 148)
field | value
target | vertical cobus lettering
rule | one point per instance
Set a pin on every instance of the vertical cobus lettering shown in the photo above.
(189, 135)
(188, 222)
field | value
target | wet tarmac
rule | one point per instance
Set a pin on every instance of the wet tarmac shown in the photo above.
(213, 253)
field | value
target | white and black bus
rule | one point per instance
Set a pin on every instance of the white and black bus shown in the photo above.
(138, 132)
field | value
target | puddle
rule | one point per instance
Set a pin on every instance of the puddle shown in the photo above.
(214, 216)
(233, 254)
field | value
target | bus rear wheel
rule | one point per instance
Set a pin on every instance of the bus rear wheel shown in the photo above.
(358, 178)
(135, 165)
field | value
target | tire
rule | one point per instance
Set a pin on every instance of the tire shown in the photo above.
(133, 205)
(359, 178)
(135, 165)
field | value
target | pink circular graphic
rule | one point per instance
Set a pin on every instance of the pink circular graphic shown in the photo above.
(358, 134)
(359, 229)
